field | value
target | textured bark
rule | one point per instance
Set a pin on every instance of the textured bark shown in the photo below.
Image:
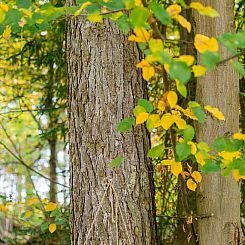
(220, 88)
(108, 206)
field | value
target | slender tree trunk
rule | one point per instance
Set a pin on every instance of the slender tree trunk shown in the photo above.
(220, 87)
(186, 202)
(108, 206)
(52, 169)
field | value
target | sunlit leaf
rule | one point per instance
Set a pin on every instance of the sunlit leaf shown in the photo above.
(156, 151)
(141, 35)
(52, 228)
(183, 22)
(50, 206)
(198, 70)
(208, 11)
(172, 98)
(28, 214)
(95, 17)
(215, 112)
(203, 43)
(191, 185)
(173, 9)
(197, 176)
(176, 168)
(141, 118)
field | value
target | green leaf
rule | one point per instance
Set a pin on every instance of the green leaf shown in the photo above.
(182, 151)
(24, 3)
(123, 24)
(210, 167)
(182, 90)
(160, 13)
(179, 70)
(239, 67)
(229, 41)
(125, 125)
(116, 162)
(44, 226)
(156, 151)
(2, 15)
(210, 59)
(139, 17)
(219, 144)
(146, 104)
(138, 109)
(232, 145)
(199, 113)
(189, 133)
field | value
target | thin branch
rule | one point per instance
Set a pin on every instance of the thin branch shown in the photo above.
(231, 57)
(30, 168)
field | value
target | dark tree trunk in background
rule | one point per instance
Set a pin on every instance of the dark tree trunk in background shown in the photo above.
(108, 206)
(220, 88)
(52, 169)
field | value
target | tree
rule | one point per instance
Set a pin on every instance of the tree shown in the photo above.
(108, 205)
(218, 195)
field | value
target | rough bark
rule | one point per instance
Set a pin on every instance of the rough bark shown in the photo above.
(108, 206)
(220, 87)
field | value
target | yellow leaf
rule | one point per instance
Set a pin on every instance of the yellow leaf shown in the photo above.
(188, 112)
(50, 206)
(154, 120)
(141, 118)
(167, 121)
(4, 7)
(203, 44)
(3, 208)
(200, 157)
(191, 185)
(172, 98)
(188, 59)
(95, 17)
(52, 228)
(237, 176)
(32, 201)
(193, 147)
(141, 35)
(239, 136)
(147, 69)
(197, 176)
(138, 3)
(181, 123)
(215, 112)
(173, 9)
(28, 214)
(229, 156)
(203, 146)
(183, 22)
(198, 70)
(161, 105)
(166, 67)
(82, 7)
(176, 168)
(7, 32)
(155, 45)
(167, 162)
(148, 72)
(208, 11)
(116, 16)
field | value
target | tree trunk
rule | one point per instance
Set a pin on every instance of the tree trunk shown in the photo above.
(220, 88)
(108, 205)
(52, 169)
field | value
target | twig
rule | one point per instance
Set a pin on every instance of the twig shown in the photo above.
(231, 57)
(30, 168)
